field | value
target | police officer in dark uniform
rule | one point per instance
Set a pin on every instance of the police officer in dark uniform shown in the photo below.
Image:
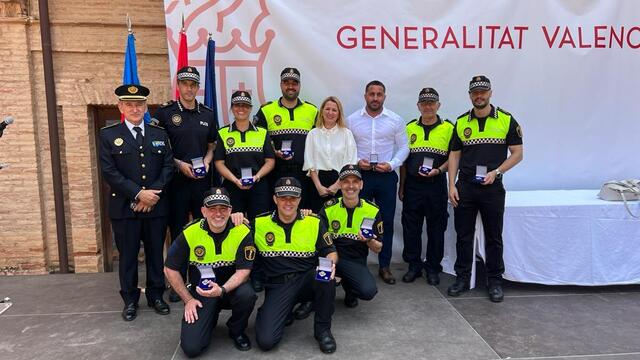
(213, 243)
(192, 131)
(242, 145)
(345, 217)
(137, 163)
(424, 185)
(289, 119)
(290, 243)
(478, 148)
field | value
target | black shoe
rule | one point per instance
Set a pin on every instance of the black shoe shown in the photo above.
(350, 301)
(258, 284)
(130, 312)
(303, 310)
(495, 293)
(387, 276)
(160, 307)
(241, 342)
(289, 320)
(411, 275)
(173, 296)
(433, 279)
(458, 288)
(326, 341)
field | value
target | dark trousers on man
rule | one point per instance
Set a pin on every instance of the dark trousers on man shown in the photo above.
(489, 200)
(185, 196)
(357, 280)
(281, 294)
(127, 234)
(196, 337)
(381, 188)
(424, 199)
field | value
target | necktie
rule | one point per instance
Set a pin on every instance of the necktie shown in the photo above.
(139, 137)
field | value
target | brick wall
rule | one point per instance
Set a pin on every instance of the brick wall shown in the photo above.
(88, 40)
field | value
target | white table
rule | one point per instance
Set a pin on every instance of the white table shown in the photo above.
(562, 237)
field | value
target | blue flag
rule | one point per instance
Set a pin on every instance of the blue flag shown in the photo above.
(210, 97)
(130, 73)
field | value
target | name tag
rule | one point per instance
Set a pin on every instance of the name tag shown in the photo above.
(157, 143)
(204, 123)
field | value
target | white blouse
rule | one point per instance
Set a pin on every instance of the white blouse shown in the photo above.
(329, 149)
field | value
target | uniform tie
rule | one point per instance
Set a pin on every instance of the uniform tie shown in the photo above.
(139, 137)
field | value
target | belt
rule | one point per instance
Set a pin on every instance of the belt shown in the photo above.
(284, 278)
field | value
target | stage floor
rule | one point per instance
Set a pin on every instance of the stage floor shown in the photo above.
(78, 317)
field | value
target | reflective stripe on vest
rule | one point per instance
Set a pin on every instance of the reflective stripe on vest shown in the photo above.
(495, 129)
(337, 218)
(279, 122)
(270, 237)
(202, 250)
(438, 142)
(254, 140)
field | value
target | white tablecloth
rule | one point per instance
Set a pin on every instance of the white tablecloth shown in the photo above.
(561, 237)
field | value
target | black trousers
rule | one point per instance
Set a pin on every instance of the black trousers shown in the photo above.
(127, 234)
(281, 294)
(489, 200)
(327, 178)
(357, 280)
(185, 196)
(424, 201)
(196, 337)
(252, 202)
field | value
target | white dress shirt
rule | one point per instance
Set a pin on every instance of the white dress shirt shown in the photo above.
(130, 126)
(329, 149)
(383, 135)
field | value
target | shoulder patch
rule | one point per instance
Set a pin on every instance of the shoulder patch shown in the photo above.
(330, 202)
(370, 203)
(155, 126)
(465, 114)
(503, 111)
(205, 107)
(306, 102)
(194, 221)
(268, 213)
(265, 104)
(312, 215)
(412, 121)
(168, 103)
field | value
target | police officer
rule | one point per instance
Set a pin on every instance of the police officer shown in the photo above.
(478, 148)
(213, 243)
(243, 145)
(137, 163)
(345, 218)
(424, 184)
(192, 131)
(289, 119)
(290, 243)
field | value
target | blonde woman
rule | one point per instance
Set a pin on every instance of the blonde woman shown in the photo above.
(329, 147)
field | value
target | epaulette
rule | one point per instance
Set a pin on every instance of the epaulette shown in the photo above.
(465, 114)
(110, 126)
(503, 111)
(306, 102)
(205, 107)
(168, 103)
(265, 104)
(313, 215)
(449, 121)
(268, 213)
(155, 126)
(412, 121)
(194, 221)
(370, 203)
(330, 202)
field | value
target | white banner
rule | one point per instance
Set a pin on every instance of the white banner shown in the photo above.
(567, 70)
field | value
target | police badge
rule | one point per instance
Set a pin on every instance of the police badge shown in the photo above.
(270, 238)
(277, 119)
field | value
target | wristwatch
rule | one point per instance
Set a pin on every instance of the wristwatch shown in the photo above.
(223, 291)
(498, 173)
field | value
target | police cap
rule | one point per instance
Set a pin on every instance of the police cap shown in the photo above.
(188, 73)
(290, 73)
(350, 170)
(428, 94)
(241, 97)
(132, 92)
(479, 83)
(288, 186)
(216, 196)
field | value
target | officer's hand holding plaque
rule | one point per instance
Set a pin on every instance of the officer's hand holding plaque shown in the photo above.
(199, 170)
(427, 166)
(366, 228)
(286, 148)
(246, 176)
(207, 277)
(481, 174)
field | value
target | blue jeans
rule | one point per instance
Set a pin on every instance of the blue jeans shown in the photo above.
(381, 188)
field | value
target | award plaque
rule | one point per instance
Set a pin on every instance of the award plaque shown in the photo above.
(246, 176)
(207, 277)
(325, 267)
(373, 160)
(481, 174)
(427, 165)
(286, 148)
(199, 170)
(367, 228)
